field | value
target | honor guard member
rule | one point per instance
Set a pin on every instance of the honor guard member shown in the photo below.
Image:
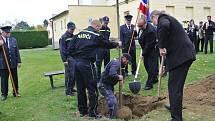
(209, 28)
(174, 43)
(109, 78)
(12, 52)
(126, 32)
(147, 40)
(103, 54)
(64, 42)
(83, 50)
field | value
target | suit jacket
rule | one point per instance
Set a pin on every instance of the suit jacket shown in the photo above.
(12, 53)
(172, 36)
(210, 29)
(147, 39)
(125, 36)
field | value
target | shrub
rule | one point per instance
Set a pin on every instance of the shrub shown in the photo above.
(31, 39)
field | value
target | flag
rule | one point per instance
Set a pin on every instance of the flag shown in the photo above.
(144, 8)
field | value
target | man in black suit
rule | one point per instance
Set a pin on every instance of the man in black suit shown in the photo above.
(12, 52)
(126, 32)
(174, 43)
(147, 40)
(209, 28)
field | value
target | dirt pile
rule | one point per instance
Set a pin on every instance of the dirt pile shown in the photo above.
(202, 93)
(139, 105)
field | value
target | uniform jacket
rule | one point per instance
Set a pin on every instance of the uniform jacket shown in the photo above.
(85, 44)
(147, 39)
(210, 29)
(125, 36)
(64, 43)
(110, 75)
(12, 53)
(172, 36)
(105, 31)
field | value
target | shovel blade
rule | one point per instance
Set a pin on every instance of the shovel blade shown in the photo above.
(135, 87)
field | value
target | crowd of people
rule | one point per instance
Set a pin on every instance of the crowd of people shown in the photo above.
(201, 34)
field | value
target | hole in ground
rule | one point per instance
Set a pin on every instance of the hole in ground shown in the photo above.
(134, 106)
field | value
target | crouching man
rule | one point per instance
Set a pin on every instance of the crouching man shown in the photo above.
(109, 78)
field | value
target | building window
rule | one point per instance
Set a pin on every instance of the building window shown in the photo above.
(170, 10)
(61, 25)
(189, 13)
(207, 11)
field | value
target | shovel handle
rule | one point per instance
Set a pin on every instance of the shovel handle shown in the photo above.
(160, 75)
(138, 66)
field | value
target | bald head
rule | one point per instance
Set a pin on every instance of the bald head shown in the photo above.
(96, 24)
(141, 22)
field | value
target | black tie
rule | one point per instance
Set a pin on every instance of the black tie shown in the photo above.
(129, 27)
(6, 41)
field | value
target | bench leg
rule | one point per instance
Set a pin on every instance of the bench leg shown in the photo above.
(51, 82)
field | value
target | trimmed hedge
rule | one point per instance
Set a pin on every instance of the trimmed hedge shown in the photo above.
(31, 39)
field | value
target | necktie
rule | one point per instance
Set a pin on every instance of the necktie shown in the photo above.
(129, 27)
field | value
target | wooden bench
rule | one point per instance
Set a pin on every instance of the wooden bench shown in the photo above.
(51, 74)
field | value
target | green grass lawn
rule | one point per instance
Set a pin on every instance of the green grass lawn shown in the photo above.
(40, 103)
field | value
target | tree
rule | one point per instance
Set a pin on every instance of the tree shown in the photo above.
(126, 1)
(45, 23)
(22, 26)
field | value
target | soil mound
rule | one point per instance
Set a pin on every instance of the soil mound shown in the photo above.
(202, 93)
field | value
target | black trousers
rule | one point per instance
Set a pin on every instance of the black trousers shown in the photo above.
(86, 80)
(176, 81)
(202, 44)
(103, 54)
(133, 60)
(210, 39)
(69, 80)
(4, 74)
(195, 42)
(151, 66)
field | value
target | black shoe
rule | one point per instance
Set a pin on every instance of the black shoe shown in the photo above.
(83, 115)
(167, 106)
(148, 87)
(96, 116)
(156, 81)
(70, 94)
(73, 90)
(3, 98)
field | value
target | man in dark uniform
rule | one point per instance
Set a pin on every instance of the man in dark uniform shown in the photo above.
(174, 42)
(103, 54)
(64, 42)
(126, 32)
(109, 78)
(147, 40)
(83, 50)
(12, 52)
(209, 28)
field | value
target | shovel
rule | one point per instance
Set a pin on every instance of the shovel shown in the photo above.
(160, 75)
(135, 86)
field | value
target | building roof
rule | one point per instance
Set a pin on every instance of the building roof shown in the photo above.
(62, 13)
